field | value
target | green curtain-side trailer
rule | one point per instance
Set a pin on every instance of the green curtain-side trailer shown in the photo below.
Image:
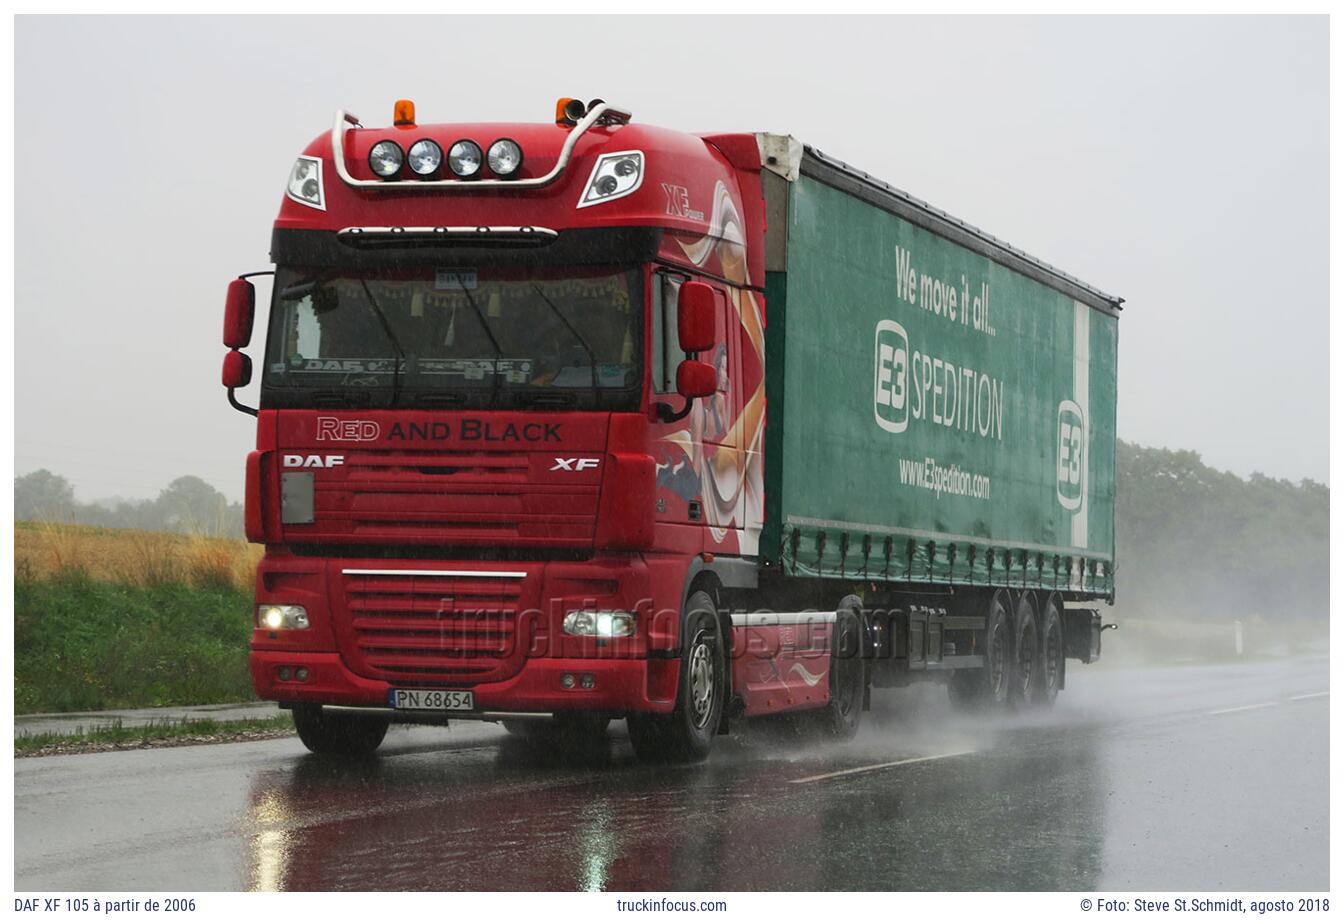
(941, 406)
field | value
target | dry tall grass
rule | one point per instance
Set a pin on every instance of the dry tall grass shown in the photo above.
(132, 557)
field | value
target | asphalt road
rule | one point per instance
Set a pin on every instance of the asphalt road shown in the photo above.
(1193, 778)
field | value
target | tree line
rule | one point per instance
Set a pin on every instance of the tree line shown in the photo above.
(188, 504)
(1191, 541)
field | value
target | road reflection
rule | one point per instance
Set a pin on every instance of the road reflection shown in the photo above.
(1026, 811)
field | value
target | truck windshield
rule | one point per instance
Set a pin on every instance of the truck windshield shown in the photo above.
(455, 336)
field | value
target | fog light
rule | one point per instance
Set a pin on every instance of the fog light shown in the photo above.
(301, 673)
(505, 157)
(285, 674)
(385, 159)
(464, 159)
(282, 616)
(587, 681)
(567, 681)
(600, 624)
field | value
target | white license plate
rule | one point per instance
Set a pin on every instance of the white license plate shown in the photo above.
(438, 700)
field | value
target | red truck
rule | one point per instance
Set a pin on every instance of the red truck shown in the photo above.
(512, 459)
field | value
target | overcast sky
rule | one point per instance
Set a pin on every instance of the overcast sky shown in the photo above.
(1181, 163)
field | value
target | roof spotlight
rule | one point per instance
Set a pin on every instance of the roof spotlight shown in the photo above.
(385, 159)
(464, 158)
(505, 157)
(424, 157)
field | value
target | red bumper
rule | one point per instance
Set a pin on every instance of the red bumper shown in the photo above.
(492, 629)
(618, 686)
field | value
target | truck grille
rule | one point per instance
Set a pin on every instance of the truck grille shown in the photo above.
(449, 497)
(437, 626)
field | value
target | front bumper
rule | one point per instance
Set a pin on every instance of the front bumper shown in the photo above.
(380, 624)
(638, 685)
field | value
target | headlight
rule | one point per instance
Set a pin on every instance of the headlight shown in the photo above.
(614, 175)
(424, 157)
(505, 157)
(602, 624)
(305, 182)
(282, 616)
(385, 159)
(464, 159)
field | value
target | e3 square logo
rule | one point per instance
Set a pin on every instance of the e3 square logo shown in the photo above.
(891, 357)
(1071, 464)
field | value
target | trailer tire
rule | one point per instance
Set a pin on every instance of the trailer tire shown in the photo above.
(1026, 649)
(342, 734)
(987, 687)
(1050, 676)
(841, 716)
(685, 735)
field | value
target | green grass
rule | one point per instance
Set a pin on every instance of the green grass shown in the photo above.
(116, 734)
(83, 643)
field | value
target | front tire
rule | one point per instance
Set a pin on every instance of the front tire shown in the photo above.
(341, 734)
(686, 734)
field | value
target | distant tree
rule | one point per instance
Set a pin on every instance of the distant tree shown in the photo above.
(42, 495)
(191, 504)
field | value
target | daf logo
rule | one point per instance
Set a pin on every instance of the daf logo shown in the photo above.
(575, 464)
(891, 358)
(320, 461)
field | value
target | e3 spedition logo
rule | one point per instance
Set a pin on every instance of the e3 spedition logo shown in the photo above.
(1071, 463)
(891, 402)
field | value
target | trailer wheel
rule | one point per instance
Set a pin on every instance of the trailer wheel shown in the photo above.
(844, 711)
(344, 734)
(1050, 676)
(1026, 652)
(987, 687)
(686, 734)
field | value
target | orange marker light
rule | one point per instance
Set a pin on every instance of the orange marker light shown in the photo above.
(403, 113)
(569, 111)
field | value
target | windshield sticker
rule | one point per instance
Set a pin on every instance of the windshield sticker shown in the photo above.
(454, 279)
(513, 370)
(342, 366)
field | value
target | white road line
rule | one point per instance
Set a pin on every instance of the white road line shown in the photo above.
(879, 766)
(1309, 696)
(1219, 712)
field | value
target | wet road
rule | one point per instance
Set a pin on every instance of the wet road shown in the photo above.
(1203, 778)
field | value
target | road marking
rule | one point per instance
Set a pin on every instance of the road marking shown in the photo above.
(879, 766)
(1220, 712)
(1309, 696)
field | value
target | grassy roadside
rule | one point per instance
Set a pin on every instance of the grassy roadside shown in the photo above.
(116, 737)
(107, 619)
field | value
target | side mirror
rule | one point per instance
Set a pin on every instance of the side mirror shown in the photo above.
(239, 306)
(695, 318)
(237, 370)
(696, 379)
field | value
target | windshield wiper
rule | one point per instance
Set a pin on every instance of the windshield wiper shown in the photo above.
(499, 352)
(387, 328)
(592, 358)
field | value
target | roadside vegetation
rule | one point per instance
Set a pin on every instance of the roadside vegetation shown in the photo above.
(118, 737)
(107, 618)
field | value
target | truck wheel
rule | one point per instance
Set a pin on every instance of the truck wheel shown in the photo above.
(345, 734)
(842, 714)
(1026, 651)
(686, 734)
(1050, 674)
(987, 687)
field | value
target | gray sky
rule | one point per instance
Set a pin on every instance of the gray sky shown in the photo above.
(1181, 163)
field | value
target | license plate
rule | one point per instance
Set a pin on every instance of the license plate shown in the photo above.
(438, 700)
